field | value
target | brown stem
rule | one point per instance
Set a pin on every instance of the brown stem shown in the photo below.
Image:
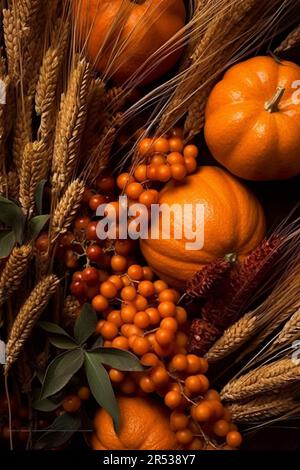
(272, 105)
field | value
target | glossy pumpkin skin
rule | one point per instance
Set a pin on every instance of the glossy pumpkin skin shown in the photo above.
(242, 135)
(144, 425)
(234, 223)
(123, 35)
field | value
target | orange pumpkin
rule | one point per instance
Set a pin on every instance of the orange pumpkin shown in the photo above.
(121, 36)
(234, 223)
(144, 425)
(253, 120)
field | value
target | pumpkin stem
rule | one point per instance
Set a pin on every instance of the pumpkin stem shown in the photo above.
(272, 105)
(231, 258)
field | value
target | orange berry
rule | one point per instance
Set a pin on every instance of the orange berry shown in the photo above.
(160, 286)
(167, 309)
(164, 337)
(128, 313)
(181, 315)
(141, 346)
(204, 383)
(135, 272)
(109, 330)
(152, 172)
(145, 146)
(153, 315)
(181, 339)
(142, 320)
(147, 385)
(147, 198)
(176, 144)
(175, 157)
(190, 164)
(204, 365)
(116, 376)
(173, 399)
(118, 263)
(185, 436)
(178, 421)
(141, 303)
(234, 439)
(108, 290)
(159, 376)
(221, 428)
(128, 386)
(169, 295)
(178, 171)
(212, 395)
(193, 384)
(84, 393)
(149, 360)
(134, 331)
(120, 343)
(194, 364)
(115, 317)
(175, 386)
(128, 293)
(146, 288)
(158, 160)
(123, 180)
(164, 173)
(202, 412)
(161, 145)
(162, 351)
(123, 247)
(228, 416)
(191, 151)
(169, 323)
(134, 190)
(100, 303)
(196, 444)
(217, 409)
(179, 362)
(140, 173)
(72, 404)
(99, 326)
(148, 273)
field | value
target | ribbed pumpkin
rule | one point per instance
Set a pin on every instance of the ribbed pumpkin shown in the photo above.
(234, 223)
(253, 119)
(121, 36)
(144, 425)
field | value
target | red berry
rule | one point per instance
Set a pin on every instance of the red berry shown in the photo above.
(95, 253)
(90, 276)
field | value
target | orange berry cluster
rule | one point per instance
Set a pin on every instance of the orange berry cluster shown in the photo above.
(143, 316)
(72, 403)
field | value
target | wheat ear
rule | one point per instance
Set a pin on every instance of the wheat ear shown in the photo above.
(66, 209)
(290, 41)
(27, 318)
(266, 378)
(14, 271)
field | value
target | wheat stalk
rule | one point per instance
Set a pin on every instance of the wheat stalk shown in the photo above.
(70, 126)
(66, 209)
(27, 318)
(290, 41)
(266, 378)
(14, 271)
(33, 170)
(289, 332)
(263, 408)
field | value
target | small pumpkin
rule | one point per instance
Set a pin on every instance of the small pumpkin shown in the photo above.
(234, 223)
(253, 119)
(123, 37)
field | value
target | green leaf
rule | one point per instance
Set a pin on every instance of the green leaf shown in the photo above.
(39, 194)
(36, 225)
(61, 342)
(60, 372)
(12, 216)
(60, 432)
(7, 242)
(119, 359)
(97, 344)
(53, 328)
(100, 386)
(45, 405)
(85, 325)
